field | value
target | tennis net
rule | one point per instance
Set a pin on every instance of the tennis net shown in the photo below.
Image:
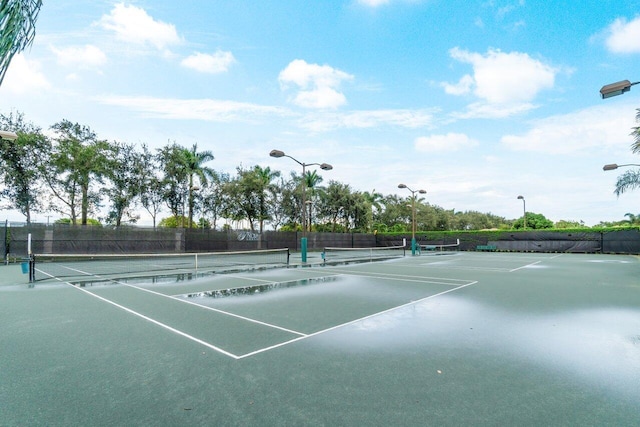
(84, 265)
(362, 254)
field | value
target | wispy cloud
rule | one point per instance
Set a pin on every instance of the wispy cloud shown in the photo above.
(324, 121)
(87, 56)
(196, 109)
(604, 128)
(447, 142)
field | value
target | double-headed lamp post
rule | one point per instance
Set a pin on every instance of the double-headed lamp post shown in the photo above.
(413, 215)
(324, 167)
(524, 208)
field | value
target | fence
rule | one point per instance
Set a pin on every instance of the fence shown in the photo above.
(62, 238)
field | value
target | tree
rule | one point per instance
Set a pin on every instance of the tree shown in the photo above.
(214, 199)
(263, 182)
(175, 179)
(17, 29)
(22, 164)
(633, 219)
(125, 173)
(630, 180)
(244, 197)
(151, 187)
(78, 158)
(534, 221)
(196, 169)
(333, 203)
(374, 201)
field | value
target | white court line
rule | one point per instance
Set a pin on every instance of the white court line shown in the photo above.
(402, 277)
(248, 319)
(262, 350)
(525, 266)
(149, 319)
(354, 321)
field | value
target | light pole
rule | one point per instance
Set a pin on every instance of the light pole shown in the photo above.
(524, 208)
(324, 167)
(413, 215)
(614, 166)
(617, 88)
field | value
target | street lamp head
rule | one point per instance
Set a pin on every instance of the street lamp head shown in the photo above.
(10, 136)
(610, 167)
(520, 198)
(402, 186)
(422, 191)
(326, 167)
(615, 89)
(276, 153)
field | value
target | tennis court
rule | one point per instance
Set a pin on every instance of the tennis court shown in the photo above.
(437, 339)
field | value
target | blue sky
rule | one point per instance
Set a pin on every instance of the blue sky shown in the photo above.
(475, 102)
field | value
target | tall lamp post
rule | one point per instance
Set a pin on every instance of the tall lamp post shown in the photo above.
(524, 208)
(413, 215)
(324, 167)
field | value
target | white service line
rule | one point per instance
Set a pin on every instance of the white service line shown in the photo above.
(248, 319)
(525, 266)
(401, 277)
(262, 350)
(149, 319)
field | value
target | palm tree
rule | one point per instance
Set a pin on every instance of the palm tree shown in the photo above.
(17, 29)
(633, 219)
(635, 146)
(194, 162)
(630, 180)
(264, 178)
(311, 181)
(374, 200)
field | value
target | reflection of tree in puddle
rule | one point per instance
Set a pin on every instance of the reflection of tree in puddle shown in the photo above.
(260, 289)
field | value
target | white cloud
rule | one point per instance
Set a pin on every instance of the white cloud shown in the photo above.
(599, 128)
(218, 62)
(25, 77)
(623, 36)
(502, 78)
(318, 83)
(482, 110)
(196, 109)
(323, 121)
(132, 24)
(87, 56)
(448, 142)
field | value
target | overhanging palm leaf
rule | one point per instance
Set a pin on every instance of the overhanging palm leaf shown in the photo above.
(629, 180)
(17, 29)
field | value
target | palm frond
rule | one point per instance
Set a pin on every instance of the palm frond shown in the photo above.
(629, 180)
(17, 29)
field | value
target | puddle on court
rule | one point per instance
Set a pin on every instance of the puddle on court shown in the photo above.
(142, 280)
(599, 346)
(261, 289)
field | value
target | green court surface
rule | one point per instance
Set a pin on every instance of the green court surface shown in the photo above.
(450, 339)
